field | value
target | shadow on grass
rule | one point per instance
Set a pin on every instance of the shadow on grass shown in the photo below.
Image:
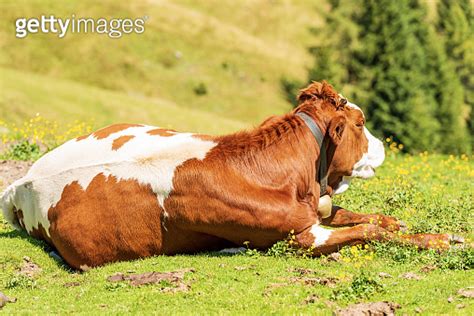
(16, 234)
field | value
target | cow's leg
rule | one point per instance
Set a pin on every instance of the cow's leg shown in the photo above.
(341, 217)
(325, 241)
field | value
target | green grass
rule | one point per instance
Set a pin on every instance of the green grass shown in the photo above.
(431, 193)
(64, 101)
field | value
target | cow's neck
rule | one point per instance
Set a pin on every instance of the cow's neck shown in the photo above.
(277, 152)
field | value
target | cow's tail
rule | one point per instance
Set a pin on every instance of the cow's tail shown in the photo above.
(8, 207)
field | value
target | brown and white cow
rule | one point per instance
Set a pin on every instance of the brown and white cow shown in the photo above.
(131, 191)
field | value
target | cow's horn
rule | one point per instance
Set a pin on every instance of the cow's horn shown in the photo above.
(325, 206)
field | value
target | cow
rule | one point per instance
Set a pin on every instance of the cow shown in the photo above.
(131, 191)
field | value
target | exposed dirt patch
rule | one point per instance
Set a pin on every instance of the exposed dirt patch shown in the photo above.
(11, 170)
(325, 281)
(311, 299)
(311, 280)
(71, 284)
(169, 281)
(428, 268)
(302, 271)
(29, 268)
(272, 286)
(369, 309)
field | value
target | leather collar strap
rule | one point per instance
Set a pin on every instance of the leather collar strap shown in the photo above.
(322, 143)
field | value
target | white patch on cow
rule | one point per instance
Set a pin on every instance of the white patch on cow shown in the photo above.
(321, 235)
(343, 185)
(365, 167)
(148, 159)
(376, 151)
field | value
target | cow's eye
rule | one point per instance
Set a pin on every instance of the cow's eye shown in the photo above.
(360, 124)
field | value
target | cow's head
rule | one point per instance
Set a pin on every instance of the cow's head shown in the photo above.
(358, 152)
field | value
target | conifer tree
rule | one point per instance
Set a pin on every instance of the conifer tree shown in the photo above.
(384, 55)
(449, 96)
(456, 25)
(401, 102)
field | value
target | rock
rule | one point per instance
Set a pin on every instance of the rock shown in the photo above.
(467, 292)
(450, 299)
(336, 256)
(232, 251)
(369, 309)
(116, 277)
(84, 268)
(4, 300)
(385, 275)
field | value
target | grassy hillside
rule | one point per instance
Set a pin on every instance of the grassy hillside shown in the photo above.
(238, 52)
(65, 101)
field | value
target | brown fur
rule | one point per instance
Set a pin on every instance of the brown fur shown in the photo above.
(108, 221)
(122, 140)
(40, 233)
(162, 132)
(20, 218)
(107, 131)
(353, 144)
(82, 137)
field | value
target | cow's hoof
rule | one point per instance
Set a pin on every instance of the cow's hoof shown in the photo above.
(403, 226)
(455, 239)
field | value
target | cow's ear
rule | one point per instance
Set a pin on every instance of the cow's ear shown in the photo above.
(336, 129)
(312, 91)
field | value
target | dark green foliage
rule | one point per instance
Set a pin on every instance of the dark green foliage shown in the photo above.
(449, 96)
(456, 25)
(363, 285)
(290, 89)
(24, 150)
(200, 89)
(387, 58)
(452, 259)
(400, 102)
